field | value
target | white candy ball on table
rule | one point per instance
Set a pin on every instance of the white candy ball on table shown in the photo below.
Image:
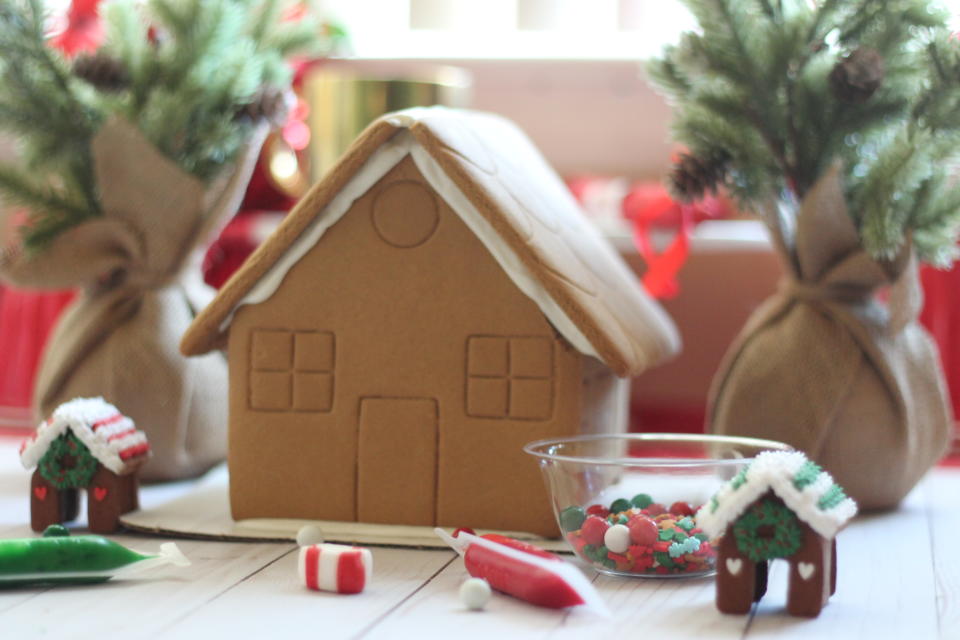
(475, 593)
(309, 534)
(617, 538)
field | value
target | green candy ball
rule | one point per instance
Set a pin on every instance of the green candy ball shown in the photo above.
(56, 531)
(619, 505)
(641, 501)
(596, 553)
(572, 518)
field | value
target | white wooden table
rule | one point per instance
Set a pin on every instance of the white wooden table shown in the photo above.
(899, 577)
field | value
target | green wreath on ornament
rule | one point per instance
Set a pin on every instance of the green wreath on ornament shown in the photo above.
(78, 474)
(768, 530)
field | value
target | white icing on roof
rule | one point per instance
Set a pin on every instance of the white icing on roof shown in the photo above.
(378, 165)
(111, 437)
(778, 471)
(503, 189)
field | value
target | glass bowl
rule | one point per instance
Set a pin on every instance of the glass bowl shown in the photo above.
(627, 503)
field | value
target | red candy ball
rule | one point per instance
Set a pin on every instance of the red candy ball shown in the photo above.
(643, 530)
(655, 509)
(593, 529)
(681, 509)
(598, 510)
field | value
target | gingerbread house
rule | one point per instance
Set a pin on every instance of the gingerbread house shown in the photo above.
(86, 444)
(781, 506)
(435, 302)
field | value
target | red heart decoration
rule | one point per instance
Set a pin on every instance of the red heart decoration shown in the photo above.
(40, 492)
(99, 493)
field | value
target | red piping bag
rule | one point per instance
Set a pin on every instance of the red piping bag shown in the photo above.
(534, 578)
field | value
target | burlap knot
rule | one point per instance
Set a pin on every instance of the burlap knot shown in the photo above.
(119, 338)
(835, 362)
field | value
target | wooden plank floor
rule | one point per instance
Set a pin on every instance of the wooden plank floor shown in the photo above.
(899, 578)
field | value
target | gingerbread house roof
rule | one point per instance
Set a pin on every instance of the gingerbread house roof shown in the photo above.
(493, 177)
(110, 436)
(804, 487)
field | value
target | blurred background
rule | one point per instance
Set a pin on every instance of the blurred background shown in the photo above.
(568, 72)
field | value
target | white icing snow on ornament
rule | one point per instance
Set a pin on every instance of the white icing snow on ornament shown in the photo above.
(617, 538)
(475, 593)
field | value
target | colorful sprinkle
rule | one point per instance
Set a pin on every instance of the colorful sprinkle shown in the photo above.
(639, 536)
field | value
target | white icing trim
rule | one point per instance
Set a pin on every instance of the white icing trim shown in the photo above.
(78, 416)
(775, 470)
(377, 165)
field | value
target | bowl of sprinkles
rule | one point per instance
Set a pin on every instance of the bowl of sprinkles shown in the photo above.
(627, 503)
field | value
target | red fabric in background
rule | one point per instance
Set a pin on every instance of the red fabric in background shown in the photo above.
(941, 317)
(26, 318)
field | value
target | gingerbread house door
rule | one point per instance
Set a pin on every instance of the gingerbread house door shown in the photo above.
(397, 460)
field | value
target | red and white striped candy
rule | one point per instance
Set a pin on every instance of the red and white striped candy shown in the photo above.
(335, 567)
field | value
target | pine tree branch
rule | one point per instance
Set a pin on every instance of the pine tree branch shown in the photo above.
(759, 119)
(759, 83)
(16, 188)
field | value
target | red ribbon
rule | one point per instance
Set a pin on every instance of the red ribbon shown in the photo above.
(649, 206)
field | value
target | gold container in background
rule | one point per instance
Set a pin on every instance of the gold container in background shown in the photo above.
(344, 96)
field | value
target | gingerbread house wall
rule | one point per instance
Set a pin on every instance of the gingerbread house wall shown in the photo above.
(395, 375)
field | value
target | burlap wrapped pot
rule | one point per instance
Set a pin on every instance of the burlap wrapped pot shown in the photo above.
(831, 367)
(119, 338)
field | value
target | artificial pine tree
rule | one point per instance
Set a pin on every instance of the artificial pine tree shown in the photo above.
(178, 70)
(837, 122)
(785, 88)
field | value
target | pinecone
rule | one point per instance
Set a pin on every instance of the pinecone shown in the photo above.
(269, 103)
(693, 177)
(102, 71)
(856, 77)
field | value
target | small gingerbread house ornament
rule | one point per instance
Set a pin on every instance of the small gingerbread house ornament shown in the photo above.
(781, 506)
(434, 303)
(86, 444)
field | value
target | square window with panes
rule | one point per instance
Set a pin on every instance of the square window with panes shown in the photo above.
(291, 370)
(510, 377)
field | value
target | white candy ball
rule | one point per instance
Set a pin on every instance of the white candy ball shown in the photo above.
(475, 593)
(617, 538)
(309, 534)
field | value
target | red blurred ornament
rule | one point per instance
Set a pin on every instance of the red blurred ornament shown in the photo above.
(79, 30)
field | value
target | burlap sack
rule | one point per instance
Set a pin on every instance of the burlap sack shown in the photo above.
(828, 367)
(120, 338)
